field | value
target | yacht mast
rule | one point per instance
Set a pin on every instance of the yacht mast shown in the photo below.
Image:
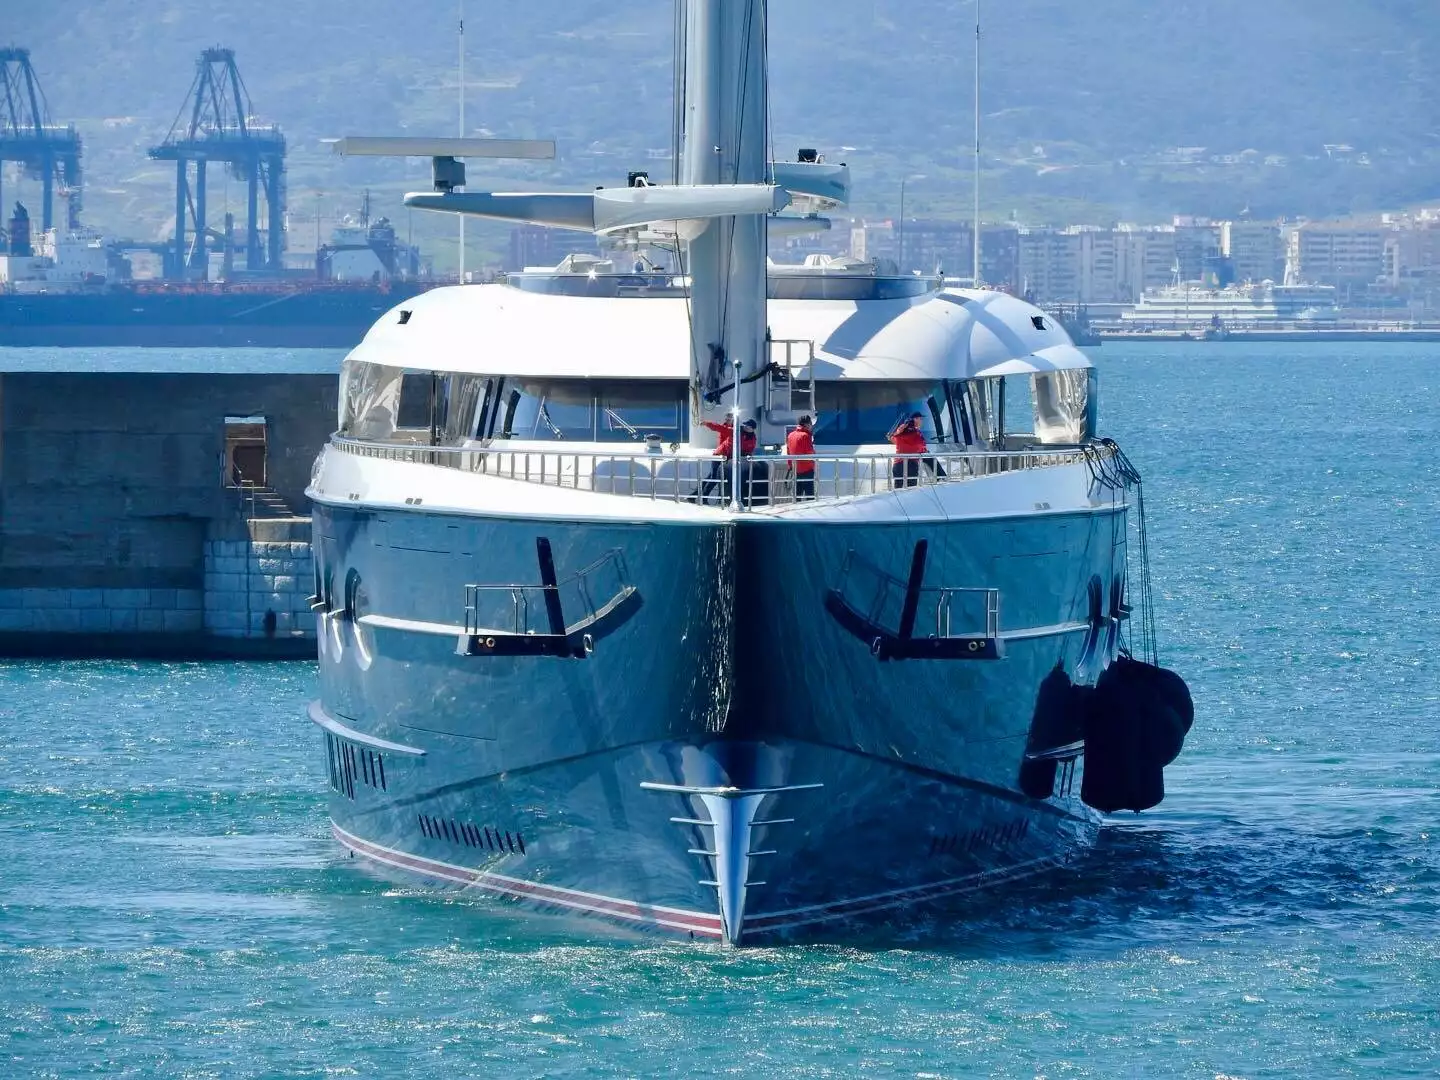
(975, 266)
(461, 47)
(724, 142)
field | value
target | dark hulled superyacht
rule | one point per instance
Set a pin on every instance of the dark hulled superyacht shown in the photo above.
(571, 656)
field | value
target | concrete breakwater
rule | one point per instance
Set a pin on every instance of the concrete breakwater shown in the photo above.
(260, 586)
(158, 514)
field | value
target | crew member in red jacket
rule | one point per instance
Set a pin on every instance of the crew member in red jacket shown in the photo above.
(801, 441)
(727, 437)
(720, 468)
(908, 439)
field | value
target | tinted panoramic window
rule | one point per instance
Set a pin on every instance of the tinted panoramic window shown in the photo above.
(585, 410)
(858, 412)
(633, 412)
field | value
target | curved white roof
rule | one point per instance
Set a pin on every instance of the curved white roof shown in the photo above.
(498, 329)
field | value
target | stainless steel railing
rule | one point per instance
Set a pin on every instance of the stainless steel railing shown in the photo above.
(943, 611)
(765, 479)
(585, 597)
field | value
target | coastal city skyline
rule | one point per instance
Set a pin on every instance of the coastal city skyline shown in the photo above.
(1387, 264)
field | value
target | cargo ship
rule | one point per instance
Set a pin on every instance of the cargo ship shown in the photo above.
(75, 290)
(273, 315)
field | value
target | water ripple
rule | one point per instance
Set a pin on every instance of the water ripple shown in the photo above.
(171, 904)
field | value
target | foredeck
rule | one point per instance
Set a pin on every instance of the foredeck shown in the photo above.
(687, 476)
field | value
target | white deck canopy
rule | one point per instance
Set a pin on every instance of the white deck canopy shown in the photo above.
(498, 329)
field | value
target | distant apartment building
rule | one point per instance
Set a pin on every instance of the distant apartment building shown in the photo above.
(946, 246)
(535, 245)
(1079, 265)
(1412, 254)
(1197, 247)
(935, 246)
(1101, 265)
(1000, 256)
(1149, 260)
(1412, 263)
(1256, 249)
(1050, 266)
(1348, 256)
(796, 248)
(871, 240)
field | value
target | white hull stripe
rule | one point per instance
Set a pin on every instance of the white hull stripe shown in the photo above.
(572, 899)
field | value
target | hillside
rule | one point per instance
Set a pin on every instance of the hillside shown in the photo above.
(1085, 104)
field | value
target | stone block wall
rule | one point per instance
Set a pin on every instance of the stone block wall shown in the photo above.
(101, 611)
(245, 579)
(118, 534)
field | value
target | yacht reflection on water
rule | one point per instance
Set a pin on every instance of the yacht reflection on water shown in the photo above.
(556, 669)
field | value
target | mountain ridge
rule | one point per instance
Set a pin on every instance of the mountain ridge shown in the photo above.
(1081, 107)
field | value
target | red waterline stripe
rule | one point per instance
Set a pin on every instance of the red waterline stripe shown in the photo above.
(673, 918)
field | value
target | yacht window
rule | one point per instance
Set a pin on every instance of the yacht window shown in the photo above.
(506, 429)
(960, 423)
(976, 401)
(1065, 405)
(463, 396)
(416, 392)
(584, 411)
(859, 413)
(1016, 410)
(369, 400)
(630, 412)
(552, 412)
(940, 417)
(490, 408)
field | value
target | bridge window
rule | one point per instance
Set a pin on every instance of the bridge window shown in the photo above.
(1065, 405)
(369, 400)
(583, 410)
(389, 404)
(863, 413)
(417, 401)
(637, 410)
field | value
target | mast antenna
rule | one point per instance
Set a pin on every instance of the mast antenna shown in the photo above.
(975, 268)
(461, 48)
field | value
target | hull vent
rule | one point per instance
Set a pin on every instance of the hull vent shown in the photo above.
(990, 836)
(351, 765)
(471, 836)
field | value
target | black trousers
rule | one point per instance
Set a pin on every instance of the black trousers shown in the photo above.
(906, 472)
(754, 482)
(804, 486)
(719, 477)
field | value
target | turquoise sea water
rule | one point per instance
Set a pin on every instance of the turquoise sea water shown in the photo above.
(171, 905)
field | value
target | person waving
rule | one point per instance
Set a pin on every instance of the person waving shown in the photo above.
(909, 440)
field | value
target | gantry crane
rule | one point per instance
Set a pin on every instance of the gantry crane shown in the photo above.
(214, 124)
(45, 151)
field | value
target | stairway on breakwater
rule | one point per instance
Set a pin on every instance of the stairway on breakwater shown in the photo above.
(150, 513)
(259, 573)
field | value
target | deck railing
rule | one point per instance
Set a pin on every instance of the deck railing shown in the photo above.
(765, 479)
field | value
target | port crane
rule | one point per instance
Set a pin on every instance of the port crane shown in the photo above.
(45, 151)
(215, 124)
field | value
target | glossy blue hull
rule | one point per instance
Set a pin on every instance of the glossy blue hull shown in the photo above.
(731, 754)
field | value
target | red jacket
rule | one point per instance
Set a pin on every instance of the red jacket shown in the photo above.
(799, 442)
(727, 439)
(908, 439)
